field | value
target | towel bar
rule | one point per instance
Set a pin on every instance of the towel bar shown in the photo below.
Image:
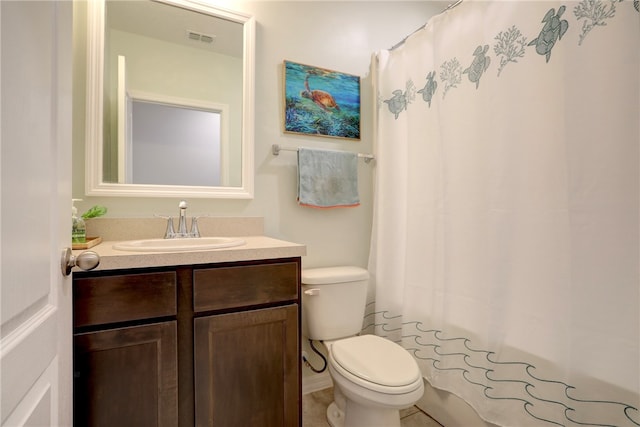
(276, 148)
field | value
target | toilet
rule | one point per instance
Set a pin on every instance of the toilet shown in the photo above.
(373, 377)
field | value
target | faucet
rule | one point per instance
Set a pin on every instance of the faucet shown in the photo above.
(182, 225)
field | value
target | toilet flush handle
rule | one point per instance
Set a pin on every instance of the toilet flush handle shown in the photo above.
(312, 292)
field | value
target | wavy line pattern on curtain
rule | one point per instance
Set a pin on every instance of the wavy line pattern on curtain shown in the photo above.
(494, 378)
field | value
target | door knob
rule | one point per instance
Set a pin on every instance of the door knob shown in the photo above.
(87, 260)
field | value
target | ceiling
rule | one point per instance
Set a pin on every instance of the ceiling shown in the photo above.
(173, 24)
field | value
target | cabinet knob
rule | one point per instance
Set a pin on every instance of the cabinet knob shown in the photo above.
(87, 260)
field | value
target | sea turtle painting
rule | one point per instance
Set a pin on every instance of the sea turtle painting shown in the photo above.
(323, 99)
(397, 103)
(429, 89)
(479, 65)
(553, 30)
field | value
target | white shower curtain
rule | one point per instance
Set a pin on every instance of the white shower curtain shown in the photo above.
(505, 250)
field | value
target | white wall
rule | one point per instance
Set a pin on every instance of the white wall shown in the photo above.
(339, 36)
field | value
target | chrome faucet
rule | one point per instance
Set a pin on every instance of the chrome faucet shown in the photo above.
(182, 225)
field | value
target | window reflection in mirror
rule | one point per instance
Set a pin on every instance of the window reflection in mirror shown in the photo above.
(171, 144)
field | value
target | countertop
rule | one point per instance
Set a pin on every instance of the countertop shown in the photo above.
(250, 229)
(256, 247)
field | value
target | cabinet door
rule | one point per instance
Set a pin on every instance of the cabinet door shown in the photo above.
(247, 368)
(126, 377)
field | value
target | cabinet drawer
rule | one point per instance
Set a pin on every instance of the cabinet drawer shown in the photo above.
(232, 287)
(100, 300)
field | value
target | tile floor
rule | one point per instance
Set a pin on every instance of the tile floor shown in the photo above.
(314, 407)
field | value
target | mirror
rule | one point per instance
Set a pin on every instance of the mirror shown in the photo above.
(170, 93)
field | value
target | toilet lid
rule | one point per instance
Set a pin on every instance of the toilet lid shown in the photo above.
(377, 360)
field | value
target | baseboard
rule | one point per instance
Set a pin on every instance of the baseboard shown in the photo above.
(311, 383)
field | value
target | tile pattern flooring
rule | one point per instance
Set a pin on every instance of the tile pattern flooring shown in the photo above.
(314, 407)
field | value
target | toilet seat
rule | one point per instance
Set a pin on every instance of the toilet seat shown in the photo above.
(376, 363)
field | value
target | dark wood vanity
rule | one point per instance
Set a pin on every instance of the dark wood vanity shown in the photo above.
(199, 345)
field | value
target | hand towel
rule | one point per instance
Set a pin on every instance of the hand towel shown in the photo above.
(327, 178)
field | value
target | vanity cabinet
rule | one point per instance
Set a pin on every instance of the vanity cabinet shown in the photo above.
(204, 345)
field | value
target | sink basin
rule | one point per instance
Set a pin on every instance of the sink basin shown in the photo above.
(172, 245)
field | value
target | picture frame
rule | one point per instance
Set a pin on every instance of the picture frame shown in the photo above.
(321, 102)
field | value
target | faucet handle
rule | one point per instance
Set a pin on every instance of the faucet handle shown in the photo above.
(170, 232)
(195, 232)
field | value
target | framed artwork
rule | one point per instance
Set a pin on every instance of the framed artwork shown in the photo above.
(321, 102)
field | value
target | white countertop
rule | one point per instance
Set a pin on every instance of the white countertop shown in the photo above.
(256, 248)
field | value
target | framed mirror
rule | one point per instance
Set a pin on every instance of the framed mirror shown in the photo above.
(170, 94)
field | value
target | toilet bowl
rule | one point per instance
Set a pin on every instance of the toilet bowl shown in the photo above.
(373, 377)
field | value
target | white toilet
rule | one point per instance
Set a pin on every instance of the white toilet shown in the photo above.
(373, 377)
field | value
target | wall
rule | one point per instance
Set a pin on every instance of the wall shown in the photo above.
(339, 36)
(335, 35)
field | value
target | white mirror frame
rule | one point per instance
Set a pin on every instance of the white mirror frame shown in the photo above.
(94, 185)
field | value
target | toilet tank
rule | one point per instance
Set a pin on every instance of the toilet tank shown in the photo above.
(333, 301)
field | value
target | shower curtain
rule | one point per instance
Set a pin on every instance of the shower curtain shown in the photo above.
(505, 247)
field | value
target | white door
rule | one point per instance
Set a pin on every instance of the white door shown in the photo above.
(35, 122)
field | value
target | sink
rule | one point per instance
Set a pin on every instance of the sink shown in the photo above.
(179, 244)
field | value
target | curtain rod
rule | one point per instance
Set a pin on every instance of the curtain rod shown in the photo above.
(275, 150)
(401, 42)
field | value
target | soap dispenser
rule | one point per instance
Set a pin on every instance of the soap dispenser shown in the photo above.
(78, 228)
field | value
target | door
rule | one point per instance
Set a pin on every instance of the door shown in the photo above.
(35, 142)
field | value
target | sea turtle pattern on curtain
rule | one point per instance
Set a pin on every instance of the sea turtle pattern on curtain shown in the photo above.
(491, 59)
(508, 45)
